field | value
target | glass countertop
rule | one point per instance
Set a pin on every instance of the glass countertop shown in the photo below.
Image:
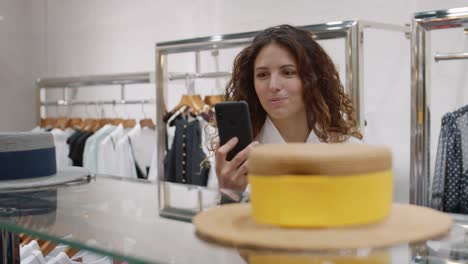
(119, 218)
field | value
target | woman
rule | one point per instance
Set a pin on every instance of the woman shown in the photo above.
(294, 94)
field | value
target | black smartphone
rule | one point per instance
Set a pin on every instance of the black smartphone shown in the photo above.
(233, 120)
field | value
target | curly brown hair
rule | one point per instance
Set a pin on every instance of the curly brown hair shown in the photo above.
(330, 113)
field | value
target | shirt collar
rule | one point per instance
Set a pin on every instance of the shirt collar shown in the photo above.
(269, 134)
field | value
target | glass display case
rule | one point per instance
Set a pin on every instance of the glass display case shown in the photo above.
(120, 218)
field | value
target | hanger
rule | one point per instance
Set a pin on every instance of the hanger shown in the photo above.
(47, 247)
(88, 123)
(192, 100)
(62, 121)
(176, 114)
(146, 122)
(26, 240)
(100, 121)
(116, 120)
(76, 122)
(48, 122)
(41, 242)
(70, 252)
(211, 100)
(128, 122)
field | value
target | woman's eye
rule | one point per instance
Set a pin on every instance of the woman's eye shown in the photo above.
(261, 75)
(289, 73)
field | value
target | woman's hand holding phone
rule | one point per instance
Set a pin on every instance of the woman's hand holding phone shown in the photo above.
(232, 174)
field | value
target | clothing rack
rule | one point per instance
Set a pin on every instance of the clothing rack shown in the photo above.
(67, 83)
(352, 31)
(422, 24)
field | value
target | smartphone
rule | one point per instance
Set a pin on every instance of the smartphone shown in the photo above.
(233, 120)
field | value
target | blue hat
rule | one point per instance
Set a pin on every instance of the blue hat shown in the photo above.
(28, 160)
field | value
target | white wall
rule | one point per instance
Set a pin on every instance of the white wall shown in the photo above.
(17, 97)
(111, 36)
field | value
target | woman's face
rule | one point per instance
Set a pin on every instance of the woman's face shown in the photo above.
(277, 83)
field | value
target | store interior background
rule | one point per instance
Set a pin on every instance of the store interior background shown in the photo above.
(56, 38)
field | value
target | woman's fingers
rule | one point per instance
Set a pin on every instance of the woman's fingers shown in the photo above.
(233, 174)
(222, 151)
(242, 155)
(239, 179)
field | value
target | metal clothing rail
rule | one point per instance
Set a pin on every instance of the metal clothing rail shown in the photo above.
(451, 56)
(352, 31)
(423, 23)
(108, 102)
(95, 80)
(206, 75)
(66, 83)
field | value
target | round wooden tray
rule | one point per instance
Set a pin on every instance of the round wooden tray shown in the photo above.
(232, 225)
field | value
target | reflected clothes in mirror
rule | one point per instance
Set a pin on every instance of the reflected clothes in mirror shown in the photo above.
(61, 147)
(184, 162)
(77, 143)
(90, 155)
(21, 204)
(449, 188)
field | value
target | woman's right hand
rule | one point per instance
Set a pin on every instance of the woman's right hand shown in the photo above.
(232, 174)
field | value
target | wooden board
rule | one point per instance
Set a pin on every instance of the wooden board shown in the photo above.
(232, 225)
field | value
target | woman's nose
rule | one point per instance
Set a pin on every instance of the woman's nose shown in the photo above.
(275, 82)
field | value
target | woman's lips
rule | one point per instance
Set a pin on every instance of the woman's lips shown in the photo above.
(278, 100)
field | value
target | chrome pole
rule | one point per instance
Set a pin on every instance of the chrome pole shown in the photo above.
(354, 70)
(420, 116)
(163, 198)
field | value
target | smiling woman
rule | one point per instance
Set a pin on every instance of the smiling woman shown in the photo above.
(279, 89)
(294, 94)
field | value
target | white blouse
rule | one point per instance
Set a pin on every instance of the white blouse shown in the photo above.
(269, 134)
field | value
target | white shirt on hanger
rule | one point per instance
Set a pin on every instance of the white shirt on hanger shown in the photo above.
(36, 257)
(143, 143)
(107, 154)
(62, 149)
(87, 258)
(90, 154)
(125, 162)
(26, 250)
(152, 177)
(62, 258)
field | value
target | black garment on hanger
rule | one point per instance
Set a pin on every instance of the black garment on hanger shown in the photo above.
(184, 163)
(77, 143)
(451, 170)
(71, 141)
